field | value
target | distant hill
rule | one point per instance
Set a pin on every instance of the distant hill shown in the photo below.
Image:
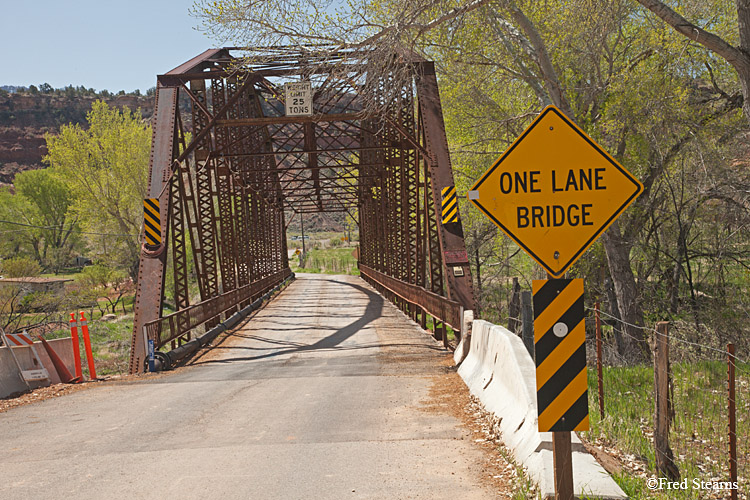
(11, 88)
(25, 116)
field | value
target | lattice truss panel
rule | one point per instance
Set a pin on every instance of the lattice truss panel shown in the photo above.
(230, 169)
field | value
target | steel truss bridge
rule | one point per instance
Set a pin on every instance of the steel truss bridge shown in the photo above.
(231, 170)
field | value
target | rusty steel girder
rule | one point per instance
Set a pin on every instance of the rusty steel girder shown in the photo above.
(228, 166)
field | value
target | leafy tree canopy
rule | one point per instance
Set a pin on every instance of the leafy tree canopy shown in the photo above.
(106, 168)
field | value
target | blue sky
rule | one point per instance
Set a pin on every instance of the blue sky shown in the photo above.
(100, 44)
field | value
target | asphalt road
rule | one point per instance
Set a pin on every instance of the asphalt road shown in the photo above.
(325, 393)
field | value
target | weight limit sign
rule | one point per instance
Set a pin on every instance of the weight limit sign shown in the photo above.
(560, 348)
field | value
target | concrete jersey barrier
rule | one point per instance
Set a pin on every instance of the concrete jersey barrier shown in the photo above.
(499, 371)
(10, 378)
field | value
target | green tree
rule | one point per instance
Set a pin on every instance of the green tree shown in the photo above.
(37, 220)
(624, 81)
(17, 239)
(106, 168)
(50, 199)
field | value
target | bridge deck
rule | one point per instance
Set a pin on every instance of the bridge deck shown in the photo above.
(324, 394)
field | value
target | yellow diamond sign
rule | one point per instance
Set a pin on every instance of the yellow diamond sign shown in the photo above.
(554, 191)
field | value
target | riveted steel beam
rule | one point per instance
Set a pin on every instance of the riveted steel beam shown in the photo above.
(451, 236)
(149, 290)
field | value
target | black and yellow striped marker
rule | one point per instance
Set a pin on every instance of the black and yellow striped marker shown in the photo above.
(450, 205)
(560, 348)
(152, 221)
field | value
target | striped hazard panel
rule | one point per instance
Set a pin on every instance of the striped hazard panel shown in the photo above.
(450, 205)
(560, 348)
(19, 339)
(152, 221)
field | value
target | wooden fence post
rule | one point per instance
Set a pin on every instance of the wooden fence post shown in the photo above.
(664, 457)
(732, 420)
(514, 308)
(527, 322)
(598, 321)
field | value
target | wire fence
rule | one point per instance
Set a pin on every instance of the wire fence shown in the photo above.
(698, 418)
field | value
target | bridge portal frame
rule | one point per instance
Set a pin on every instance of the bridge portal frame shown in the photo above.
(224, 191)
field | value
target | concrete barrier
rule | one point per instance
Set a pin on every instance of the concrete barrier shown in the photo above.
(499, 371)
(462, 350)
(10, 378)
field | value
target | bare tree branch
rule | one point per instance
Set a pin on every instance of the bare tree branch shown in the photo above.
(712, 42)
(552, 82)
(423, 28)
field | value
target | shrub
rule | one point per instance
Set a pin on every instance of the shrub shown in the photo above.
(20, 267)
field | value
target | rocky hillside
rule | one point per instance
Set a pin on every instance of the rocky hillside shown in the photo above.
(26, 117)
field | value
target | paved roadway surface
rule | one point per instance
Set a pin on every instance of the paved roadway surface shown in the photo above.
(323, 394)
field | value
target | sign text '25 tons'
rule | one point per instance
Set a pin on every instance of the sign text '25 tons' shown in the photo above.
(554, 191)
(298, 99)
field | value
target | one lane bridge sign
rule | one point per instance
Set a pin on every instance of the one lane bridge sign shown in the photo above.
(554, 191)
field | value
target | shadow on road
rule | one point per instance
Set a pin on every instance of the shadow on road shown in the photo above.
(373, 311)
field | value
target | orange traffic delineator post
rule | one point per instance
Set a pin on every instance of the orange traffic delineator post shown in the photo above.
(87, 344)
(76, 346)
(59, 364)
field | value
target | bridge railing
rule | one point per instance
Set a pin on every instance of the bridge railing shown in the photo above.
(172, 326)
(437, 306)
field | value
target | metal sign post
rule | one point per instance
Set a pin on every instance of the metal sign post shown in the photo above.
(151, 356)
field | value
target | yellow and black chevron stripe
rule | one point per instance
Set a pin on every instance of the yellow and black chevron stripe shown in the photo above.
(152, 221)
(560, 349)
(450, 205)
